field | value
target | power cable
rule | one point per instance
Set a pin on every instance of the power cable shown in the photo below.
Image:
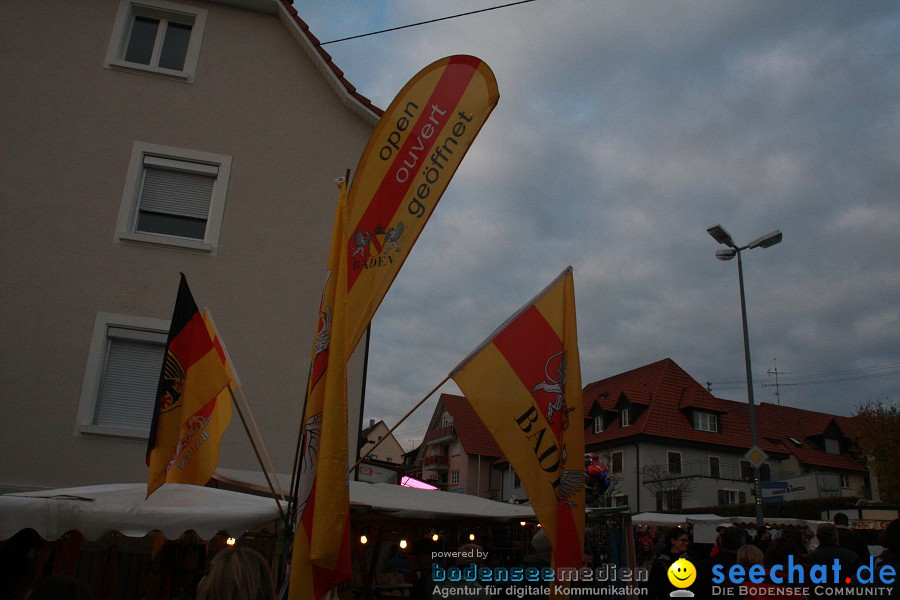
(816, 378)
(362, 35)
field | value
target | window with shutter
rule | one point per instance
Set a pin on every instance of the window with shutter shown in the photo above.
(174, 197)
(130, 377)
(119, 389)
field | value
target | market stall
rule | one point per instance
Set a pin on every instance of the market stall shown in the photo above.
(122, 543)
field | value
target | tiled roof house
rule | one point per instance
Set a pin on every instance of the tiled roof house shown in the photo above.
(657, 423)
(458, 451)
(669, 443)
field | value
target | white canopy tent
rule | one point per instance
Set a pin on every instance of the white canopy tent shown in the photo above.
(395, 500)
(97, 510)
(175, 508)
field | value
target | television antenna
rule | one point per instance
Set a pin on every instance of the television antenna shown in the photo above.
(775, 372)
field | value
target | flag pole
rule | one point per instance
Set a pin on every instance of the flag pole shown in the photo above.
(403, 418)
(262, 442)
(362, 399)
(237, 380)
(258, 457)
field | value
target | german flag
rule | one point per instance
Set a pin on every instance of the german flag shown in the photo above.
(190, 416)
(524, 382)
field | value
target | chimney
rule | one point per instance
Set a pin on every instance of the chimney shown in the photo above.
(371, 423)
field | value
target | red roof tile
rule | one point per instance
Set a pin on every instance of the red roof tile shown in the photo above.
(327, 62)
(472, 432)
(671, 391)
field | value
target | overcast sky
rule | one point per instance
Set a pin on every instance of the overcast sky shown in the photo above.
(624, 130)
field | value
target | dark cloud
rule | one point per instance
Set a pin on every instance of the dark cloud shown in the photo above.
(624, 130)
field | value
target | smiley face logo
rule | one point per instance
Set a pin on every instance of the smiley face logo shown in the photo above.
(682, 573)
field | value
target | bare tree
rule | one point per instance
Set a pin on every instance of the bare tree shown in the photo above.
(669, 489)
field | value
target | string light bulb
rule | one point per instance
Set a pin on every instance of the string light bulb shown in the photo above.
(231, 541)
(403, 544)
(363, 539)
(471, 537)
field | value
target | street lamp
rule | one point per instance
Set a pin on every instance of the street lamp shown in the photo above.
(719, 234)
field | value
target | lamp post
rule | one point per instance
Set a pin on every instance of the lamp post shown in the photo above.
(719, 234)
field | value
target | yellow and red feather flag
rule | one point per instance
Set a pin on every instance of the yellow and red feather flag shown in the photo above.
(190, 415)
(524, 382)
(320, 557)
(410, 158)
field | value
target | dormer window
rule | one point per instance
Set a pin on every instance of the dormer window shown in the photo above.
(795, 442)
(832, 446)
(598, 424)
(706, 421)
(625, 417)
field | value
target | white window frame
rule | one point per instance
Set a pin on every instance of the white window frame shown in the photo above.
(446, 419)
(845, 480)
(126, 228)
(598, 424)
(729, 491)
(625, 417)
(96, 363)
(706, 421)
(454, 477)
(620, 500)
(165, 11)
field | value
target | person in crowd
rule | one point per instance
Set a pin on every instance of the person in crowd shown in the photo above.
(718, 545)
(783, 551)
(763, 538)
(750, 555)
(420, 553)
(676, 544)
(849, 539)
(733, 538)
(539, 559)
(890, 556)
(238, 573)
(645, 555)
(827, 552)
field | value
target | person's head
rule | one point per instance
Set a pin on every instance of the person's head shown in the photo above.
(891, 536)
(762, 533)
(677, 540)
(646, 544)
(540, 542)
(841, 520)
(749, 555)
(733, 538)
(827, 534)
(781, 549)
(237, 574)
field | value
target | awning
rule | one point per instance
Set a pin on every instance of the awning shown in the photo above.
(396, 500)
(96, 510)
